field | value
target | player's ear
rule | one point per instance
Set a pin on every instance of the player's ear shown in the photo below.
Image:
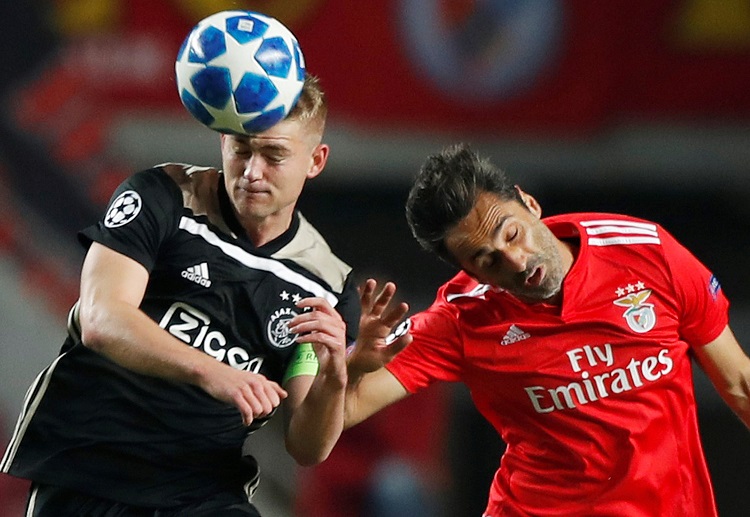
(319, 160)
(530, 201)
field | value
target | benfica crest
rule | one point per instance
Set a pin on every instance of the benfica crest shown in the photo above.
(639, 315)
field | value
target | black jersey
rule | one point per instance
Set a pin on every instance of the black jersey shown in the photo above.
(90, 425)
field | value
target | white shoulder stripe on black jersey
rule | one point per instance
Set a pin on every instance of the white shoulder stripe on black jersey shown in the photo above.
(255, 262)
(614, 232)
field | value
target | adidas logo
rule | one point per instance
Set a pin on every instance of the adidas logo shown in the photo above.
(514, 335)
(197, 274)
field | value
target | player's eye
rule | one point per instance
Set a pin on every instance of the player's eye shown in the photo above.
(485, 260)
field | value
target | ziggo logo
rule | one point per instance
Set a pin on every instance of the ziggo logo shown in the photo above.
(193, 327)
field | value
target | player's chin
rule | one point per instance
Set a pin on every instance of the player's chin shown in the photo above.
(253, 194)
(254, 205)
(540, 293)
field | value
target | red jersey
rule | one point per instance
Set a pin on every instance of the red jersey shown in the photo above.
(594, 399)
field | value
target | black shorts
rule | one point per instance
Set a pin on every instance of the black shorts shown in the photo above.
(53, 501)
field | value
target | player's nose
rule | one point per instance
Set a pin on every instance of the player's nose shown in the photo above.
(515, 260)
(253, 169)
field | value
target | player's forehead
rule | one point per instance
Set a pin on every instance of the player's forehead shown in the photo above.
(488, 216)
(283, 134)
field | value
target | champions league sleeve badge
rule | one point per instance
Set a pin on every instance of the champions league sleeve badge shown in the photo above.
(123, 209)
(402, 329)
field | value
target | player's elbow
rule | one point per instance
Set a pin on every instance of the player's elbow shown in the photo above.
(92, 329)
(308, 456)
(310, 460)
(93, 340)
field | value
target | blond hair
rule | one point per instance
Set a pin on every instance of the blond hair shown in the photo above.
(312, 106)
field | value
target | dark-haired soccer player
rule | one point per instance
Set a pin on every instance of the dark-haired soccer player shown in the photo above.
(574, 334)
(195, 289)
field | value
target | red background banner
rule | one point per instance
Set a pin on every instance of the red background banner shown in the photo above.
(590, 63)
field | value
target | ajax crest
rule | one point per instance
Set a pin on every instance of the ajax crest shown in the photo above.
(639, 315)
(277, 329)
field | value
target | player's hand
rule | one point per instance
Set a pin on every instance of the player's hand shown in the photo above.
(251, 393)
(323, 327)
(380, 314)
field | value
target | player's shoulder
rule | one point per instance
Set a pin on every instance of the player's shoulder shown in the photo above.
(190, 178)
(588, 219)
(604, 229)
(461, 291)
(460, 299)
(198, 185)
(309, 249)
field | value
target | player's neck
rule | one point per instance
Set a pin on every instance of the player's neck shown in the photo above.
(263, 230)
(569, 249)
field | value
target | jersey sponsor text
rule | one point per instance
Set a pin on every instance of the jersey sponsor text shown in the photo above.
(601, 385)
(193, 327)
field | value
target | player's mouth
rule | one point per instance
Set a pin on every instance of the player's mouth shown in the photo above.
(535, 278)
(253, 189)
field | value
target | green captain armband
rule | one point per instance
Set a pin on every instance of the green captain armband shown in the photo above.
(304, 362)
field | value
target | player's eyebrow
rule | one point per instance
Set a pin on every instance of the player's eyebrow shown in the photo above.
(267, 147)
(495, 231)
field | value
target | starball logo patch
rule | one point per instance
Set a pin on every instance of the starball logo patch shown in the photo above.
(123, 209)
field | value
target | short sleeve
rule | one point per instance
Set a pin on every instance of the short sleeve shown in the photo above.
(703, 306)
(435, 354)
(143, 211)
(350, 309)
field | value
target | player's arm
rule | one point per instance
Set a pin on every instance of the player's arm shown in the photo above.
(112, 288)
(314, 409)
(371, 393)
(728, 367)
(370, 386)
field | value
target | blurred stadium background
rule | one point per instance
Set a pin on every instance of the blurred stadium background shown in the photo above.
(638, 106)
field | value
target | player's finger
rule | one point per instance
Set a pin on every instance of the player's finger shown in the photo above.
(281, 392)
(255, 404)
(245, 409)
(316, 320)
(310, 320)
(258, 400)
(332, 342)
(383, 298)
(272, 395)
(366, 293)
(394, 314)
(398, 344)
(316, 303)
(323, 315)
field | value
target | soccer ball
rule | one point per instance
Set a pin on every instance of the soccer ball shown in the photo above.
(239, 72)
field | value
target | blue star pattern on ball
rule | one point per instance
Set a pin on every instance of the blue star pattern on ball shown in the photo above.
(239, 72)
